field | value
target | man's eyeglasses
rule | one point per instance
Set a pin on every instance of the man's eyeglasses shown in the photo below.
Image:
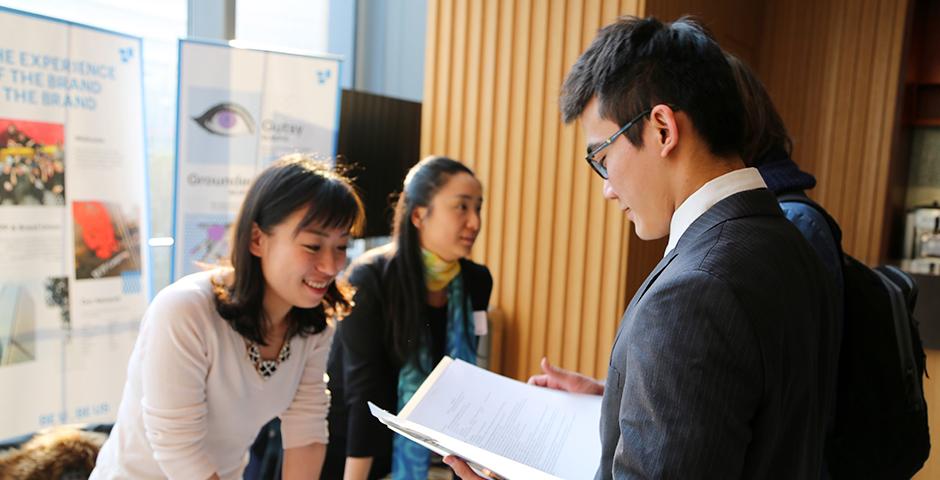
(601, 166)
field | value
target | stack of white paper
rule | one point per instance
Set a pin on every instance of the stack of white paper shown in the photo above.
(509, 428)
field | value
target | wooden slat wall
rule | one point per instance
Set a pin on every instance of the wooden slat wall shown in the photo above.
(557, 250)
(734, 23)
(833, 70)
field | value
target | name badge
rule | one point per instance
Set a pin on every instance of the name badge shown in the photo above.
(479, 323)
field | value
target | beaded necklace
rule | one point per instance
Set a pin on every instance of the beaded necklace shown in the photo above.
(266, 368)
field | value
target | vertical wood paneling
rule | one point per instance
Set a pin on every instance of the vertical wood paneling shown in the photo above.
(821, 149)
(514, 155)
(735, 23)
(496, 182)
(445, 67)
(887, 175)
(430, 77)
(545, 331)
(484, 162)
(531, 175)
(841, 112)
(556, 250)
(852, 120)
(564, 186)
(472, 98)
(455, 110)
(813, 98)
(884, 178)
(876, 78)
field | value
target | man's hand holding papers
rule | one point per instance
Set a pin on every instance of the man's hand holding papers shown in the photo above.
(553, 378)
(506, 428)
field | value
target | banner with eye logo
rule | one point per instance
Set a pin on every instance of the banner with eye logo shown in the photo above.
(74, 273)
(239, 109)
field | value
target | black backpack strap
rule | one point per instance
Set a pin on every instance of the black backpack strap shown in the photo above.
(908, 286)
(903, 327)
(904, 281)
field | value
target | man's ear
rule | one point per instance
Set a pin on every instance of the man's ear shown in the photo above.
(663, 120)
(417, 216)
(257, 240)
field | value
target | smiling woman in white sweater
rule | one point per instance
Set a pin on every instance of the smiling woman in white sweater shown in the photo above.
(222, 352)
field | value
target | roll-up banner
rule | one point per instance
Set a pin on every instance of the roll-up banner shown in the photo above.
(74, 273)
(238, 110)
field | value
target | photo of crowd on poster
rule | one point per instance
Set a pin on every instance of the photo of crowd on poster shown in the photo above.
(32, 163)
(107, 240)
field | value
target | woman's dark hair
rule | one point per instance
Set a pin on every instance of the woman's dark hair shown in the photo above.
(293, 182)
(406, 292)
(763, 127)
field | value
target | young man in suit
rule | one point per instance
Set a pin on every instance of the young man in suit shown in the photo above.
(722, 362)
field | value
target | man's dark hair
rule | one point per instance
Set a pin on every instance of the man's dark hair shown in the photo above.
(636, 63)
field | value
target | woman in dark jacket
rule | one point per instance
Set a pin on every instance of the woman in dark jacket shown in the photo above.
(417, 299)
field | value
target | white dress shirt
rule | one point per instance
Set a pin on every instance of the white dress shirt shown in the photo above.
(716, 190)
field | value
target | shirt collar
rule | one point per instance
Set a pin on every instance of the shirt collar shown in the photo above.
(716, 190)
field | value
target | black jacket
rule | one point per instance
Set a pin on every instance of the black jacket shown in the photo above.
(362, 367)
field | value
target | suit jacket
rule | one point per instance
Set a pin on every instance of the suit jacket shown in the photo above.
(723, 359)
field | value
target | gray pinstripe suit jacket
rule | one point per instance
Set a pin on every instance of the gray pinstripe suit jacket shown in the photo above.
(724, 359)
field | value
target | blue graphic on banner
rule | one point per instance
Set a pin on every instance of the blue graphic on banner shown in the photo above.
(130, 282)
(126, 53)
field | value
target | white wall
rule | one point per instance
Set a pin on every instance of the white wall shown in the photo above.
(390, 47)
(284, 24)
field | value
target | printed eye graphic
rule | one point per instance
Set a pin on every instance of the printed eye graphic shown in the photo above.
(226, 119)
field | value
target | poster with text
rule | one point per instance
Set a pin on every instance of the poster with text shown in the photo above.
(240, 109)
(74, 275)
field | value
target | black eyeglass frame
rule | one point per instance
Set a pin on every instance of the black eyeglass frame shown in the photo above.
(595, 165)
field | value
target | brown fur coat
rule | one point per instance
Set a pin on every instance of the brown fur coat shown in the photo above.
(58, 453)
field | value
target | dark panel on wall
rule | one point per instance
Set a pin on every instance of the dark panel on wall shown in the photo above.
(379, 138)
